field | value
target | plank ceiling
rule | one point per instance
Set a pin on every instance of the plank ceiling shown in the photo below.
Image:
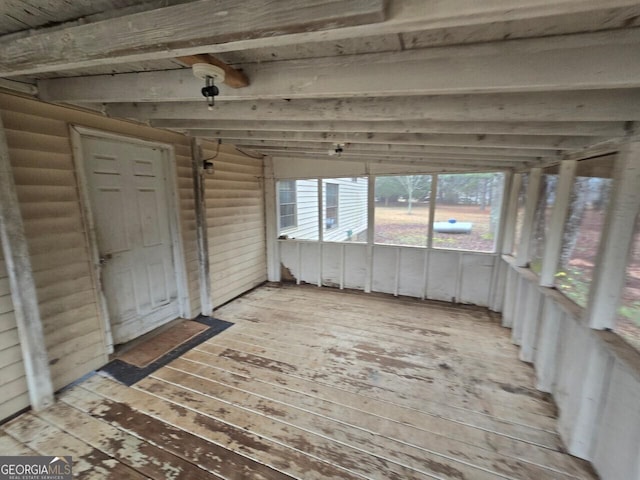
(448, 84)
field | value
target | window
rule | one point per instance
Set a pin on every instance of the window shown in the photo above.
(467, 213)
(402, 210)
(541, 223)
(287, 196)
(345, 209)
(298, 209)
(331, 205)
(522, 202)
(582, 231)
(628, 320)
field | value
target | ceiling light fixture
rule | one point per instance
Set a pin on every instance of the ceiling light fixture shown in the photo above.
(210, 74)
(337, 150)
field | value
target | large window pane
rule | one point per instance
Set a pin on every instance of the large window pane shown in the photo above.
(628, 322)
(467, 213)
(402, 210)
(581, 237)
(522, 201)
(298, 209)
(542, 220)
(345, 209)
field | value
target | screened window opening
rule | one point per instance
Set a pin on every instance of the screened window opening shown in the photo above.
(331, 209)
(628, 318)
(522, 201)
(581, 237)
(298, 209)
(345, 216)
(546, 200)
(287, 195)
(402, 210)
(467, 212)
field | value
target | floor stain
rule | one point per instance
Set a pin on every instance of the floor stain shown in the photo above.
(258, 361)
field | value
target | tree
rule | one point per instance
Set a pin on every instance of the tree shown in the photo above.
(388, 189)
(602, 188)
(414, 186)
(546, 198)
(411, 186)
(577, 206)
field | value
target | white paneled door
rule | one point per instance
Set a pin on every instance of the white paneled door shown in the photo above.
(128, 195)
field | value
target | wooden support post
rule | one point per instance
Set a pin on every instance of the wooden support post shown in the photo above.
(201, 227)
(23, 288)
(271, 222)
(533, 191)
(504, 204)
(371, 205)
(617, 239)
(320, 228)
(432, 209)
(496, 272)
(553, 244)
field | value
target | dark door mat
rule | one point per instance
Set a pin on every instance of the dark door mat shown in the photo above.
(128, 374)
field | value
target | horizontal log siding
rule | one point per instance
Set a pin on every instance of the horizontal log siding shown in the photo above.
(13, 384)
(46, 182)
(234, 201)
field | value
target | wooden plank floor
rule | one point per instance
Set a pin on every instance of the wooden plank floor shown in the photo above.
(317, 384)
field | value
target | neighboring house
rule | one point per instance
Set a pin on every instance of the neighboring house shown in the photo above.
(344, 206)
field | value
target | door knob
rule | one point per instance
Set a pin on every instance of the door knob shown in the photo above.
(105, 258)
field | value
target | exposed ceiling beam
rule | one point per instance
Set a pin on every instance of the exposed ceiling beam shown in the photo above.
(586, 61)
(382, 149)
(461, 140)
(615, 105)
(427, 156)
(47, 51)
(232, 77)
(588, 129)
(464, 163)
(177, 30)
(19, 87)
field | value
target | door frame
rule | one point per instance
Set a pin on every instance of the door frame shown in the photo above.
(77, 133)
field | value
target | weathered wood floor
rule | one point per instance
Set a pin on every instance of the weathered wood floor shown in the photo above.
(317, 384)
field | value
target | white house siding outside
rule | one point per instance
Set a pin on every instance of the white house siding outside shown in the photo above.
(351, 215)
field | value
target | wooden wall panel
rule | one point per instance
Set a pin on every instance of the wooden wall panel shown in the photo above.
(593, 375)
(234, 202)
(332, 262)
(385, 260)
(413, 268)
(13, 384)
(38, 135)
(440, 274)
